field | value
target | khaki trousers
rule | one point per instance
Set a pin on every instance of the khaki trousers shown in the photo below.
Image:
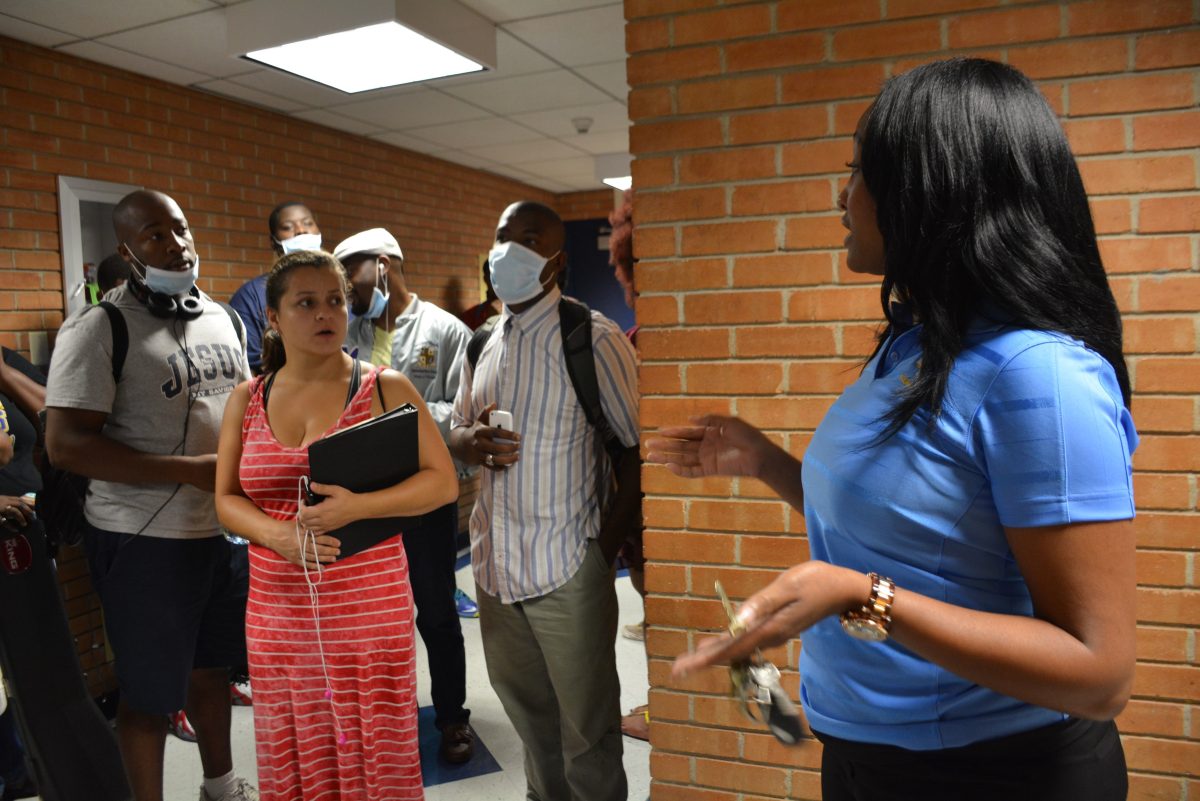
(552, 662)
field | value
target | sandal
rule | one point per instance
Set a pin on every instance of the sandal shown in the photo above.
(637, 723)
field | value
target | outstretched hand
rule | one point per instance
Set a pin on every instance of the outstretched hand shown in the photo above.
(715, 445)
(800, 597)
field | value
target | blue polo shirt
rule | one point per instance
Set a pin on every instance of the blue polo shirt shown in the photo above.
(1033, 432)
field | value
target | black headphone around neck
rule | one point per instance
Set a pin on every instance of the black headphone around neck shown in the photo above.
(166, 306)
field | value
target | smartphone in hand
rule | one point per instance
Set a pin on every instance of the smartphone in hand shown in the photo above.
(500, 419)
(310, 498)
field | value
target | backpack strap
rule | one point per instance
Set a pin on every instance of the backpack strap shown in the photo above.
(236, 319)
(120, 337)
(479, 339)
(576, 320)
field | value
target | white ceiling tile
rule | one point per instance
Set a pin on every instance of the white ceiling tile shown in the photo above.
(476, 133)
(467, 159)
(239, 92)
(413, 109)
(34, 34)
(524, 93)
(558, 36)
(408, 142)
(113, 57)
(196, 42)
(517, 152)
(610, 77)
(89, 18)
(512, 172)
(506, 10)
(531, 179)
(296, 89)
(600, 142)
(555, 186)
(571, 184)
(556, 122)
(337, 121)
(560, 168)
(512, 58)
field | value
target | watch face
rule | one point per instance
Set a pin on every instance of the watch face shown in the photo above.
(864, 628)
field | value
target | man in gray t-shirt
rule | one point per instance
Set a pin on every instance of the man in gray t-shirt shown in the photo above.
(174, 615)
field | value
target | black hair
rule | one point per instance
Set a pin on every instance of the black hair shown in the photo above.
(112, 271)
(982, 212)
(126, 215)
(273, 219)
(545, 215)
(273, 354)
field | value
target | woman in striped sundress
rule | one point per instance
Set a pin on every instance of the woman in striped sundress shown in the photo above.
(331, 643)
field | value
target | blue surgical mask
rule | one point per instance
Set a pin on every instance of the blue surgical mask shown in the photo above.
(300, 242)
(516, 272)
(168, 282)
(379, 298)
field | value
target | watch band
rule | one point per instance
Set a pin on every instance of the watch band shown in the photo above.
(873, 621)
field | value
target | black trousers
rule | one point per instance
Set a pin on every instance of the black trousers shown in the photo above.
(431, 555)
(1069, 761)
(72, 748)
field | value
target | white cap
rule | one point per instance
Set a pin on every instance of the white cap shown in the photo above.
(375, 242)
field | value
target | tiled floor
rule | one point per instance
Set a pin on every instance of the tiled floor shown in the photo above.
(183, 765)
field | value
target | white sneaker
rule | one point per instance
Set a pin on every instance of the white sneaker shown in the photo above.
(634, 631)
(243, 791)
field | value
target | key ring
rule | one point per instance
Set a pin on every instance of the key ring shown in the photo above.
(490, 460)
(757, 681)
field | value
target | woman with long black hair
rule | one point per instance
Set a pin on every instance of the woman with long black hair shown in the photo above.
(968, 608)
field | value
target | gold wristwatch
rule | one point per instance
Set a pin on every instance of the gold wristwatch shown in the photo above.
(873, 621)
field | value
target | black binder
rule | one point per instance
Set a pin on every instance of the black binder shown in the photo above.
(372, 455)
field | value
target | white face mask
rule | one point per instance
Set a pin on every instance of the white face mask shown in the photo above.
(516, 272)
(379, 297)
(300, 242)
(168, 282)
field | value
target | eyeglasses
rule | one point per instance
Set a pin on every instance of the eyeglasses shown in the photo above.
(756, 686)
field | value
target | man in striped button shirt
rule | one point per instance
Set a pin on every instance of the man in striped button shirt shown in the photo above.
(545, 531)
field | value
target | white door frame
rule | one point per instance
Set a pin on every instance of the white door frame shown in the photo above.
(71, 191)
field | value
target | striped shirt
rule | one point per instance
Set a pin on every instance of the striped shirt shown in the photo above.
(531, 523)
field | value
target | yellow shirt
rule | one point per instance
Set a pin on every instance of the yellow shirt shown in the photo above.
(381, 351)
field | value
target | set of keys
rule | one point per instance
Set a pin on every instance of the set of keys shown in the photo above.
(756, 686)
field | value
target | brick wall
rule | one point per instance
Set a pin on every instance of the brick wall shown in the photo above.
(742, 119)
(591, 205)
(227, 164)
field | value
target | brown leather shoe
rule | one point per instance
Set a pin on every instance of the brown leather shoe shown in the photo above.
(458, 743)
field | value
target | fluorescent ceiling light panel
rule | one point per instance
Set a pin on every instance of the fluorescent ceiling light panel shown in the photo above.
(386, 54)
(615, 169)
(357, 45)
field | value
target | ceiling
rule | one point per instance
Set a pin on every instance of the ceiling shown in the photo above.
(556, 60)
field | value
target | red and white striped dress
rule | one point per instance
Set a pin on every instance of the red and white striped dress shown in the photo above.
(335, 703)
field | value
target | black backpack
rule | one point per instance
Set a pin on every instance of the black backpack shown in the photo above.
(576, 320)
(59, 505)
